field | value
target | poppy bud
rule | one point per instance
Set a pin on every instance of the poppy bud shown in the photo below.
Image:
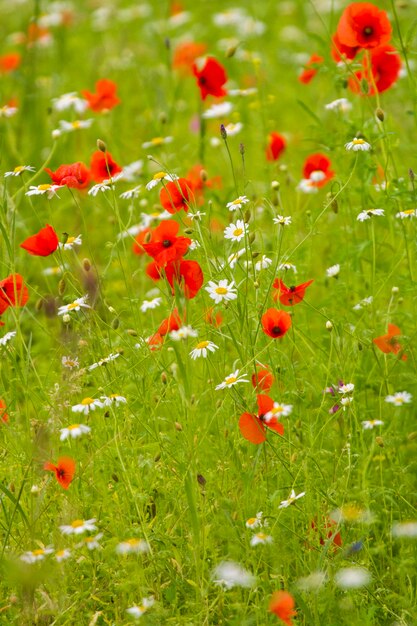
(247, 216)
(252, 237)
(231, 51)
(147, 237)
(275, 185)
(255, 255)
(411, 174)
(379, 441)
(218, 404)
(164, 378)
(39, 304)
(203, 175)
(294, 457)
(242, 149)
(86, 265)
(223, 132)
(178, 426)
(163, 117)
(188, 231)
(115, 323)
(256, 284)
(157, 457)
(61, 287)
(132, 332)
(65, 238)
(380, 115)
(412, 436)
(101, 145)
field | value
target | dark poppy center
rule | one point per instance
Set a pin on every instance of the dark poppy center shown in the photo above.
(293, 288)
(167, 243)
(368, 31)
(261, 417)
(276, 330)
(202, 80)
(61, 473)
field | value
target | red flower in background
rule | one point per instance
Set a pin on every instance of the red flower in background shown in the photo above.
(44, 243)
(389, 342)
(105, 96)
(64, 470)
(172, 322)
(3, 415)
(385, 70)
(275, 323)
(185, 55)
(10, 62)
(215, 319)
(102, 166)
(75, 175)
(328, 532)
(198, 180)
(317, 169)
(276, 146)
(211, 76)
(263, 379)
(364, 25)
(310, 69)
(282, 605)
(143, 237)
(188, 275)
(289, 295)
(175, 195)
(164, 245)
(252, 427)
(340, 51)
(13, 292)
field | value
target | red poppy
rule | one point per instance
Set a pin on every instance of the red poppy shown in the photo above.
(175, 195)
(185, 55)
(310, 69)
(172, 322)
(389, 342)
(282, 605)
(105, 96)
(165, 246)
(187, 274)
(329, 531)
(289, 295)
(197, 181)
(13, 292)
(154, 271)
(44, 243)
(252, 427)
(317, 169)
(64, 470)
(155, 341)
(276, 146)
(340, 51)
(263, 379)
(215, 319)
(275, 323)
(74, 175)
(10, 62)
(211, 76)
(141, 238)
(385, 66)
(3, 415)
(102, 166)
(364, 25)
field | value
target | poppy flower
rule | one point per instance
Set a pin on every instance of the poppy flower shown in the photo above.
(172, 322)
(187, 274)
(211, 76)
(364, 25)
(198, 181)
(154, 271)
(317, 169)
(282, 605)
(275, 323)
(328, 532)
(13, 292)
(310, 69)
(185, 55)
(289, 295)
(74, 175)
(155, 341)
(44, 243)
(64, 470)
(276, 146)
(141, 238)
(252, 427)
(9, 62)
(3, 415)
(165, 246)
(389, 342)
(385, 68)
(340, 51)
(104, 97)
(263, 379)
(175, 195)
(102, 166)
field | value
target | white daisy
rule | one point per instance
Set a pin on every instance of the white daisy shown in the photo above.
(278, 410)
(197, 215)
(158, 177)
(358, 145)
(306, 185)
(104, 361)
(86, 406)
(92, 543)
(231, 380)
(40, 190)
(202, 349)
(53, 271)
(183, 333)
(223, 290)
(287, 266)
(352, 577)
(77, 305)
(405, 529)
(62, 555)
(238, 203)
(233, 129)
(34, 556)
(78, 526)
(282, 220)
(367, 214)
(341, 104)
(232, 259)
(333, 271)
(70, 243)
(218, 110)
(70, 101)
(263, 264)
(113, 400)
(133, 546)
(70, 127)
(260, 539)
(7, 337)
(399, 398)
(150, 304)
(408, 214)
(348, 388)
(131, 193)
(370, 424)
(100, 187)
(254, 522)
(286, 503)
(363, 303)
(73, 431)
(242, 92)
(236, 232)
(157, 141)
(229, 574)
(19, 170)
(138, 610)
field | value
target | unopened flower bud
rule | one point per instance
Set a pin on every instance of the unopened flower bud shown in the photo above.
(132, 332)
(380, 115)
(61, 287)
(147, 238)
(65, 238)
(255, 255)
(56, 133)
(242, 148)
(275, 185)
(231, 51)
(329, 325)
(101, 145)
(86, 265)
(395, 290)
(379, 441)
(411, 174)
(115, 323)
(256, 284)
(163, 117)
(203, 175)
(223, 131)
(247, 216)
(178, 426)
(188, 231)
(39, 304)
(164, 378)
(66, 318)
(252, 237)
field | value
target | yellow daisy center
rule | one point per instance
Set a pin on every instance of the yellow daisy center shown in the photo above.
(230, 380)
(73, 426)
(70, 240)
(19, 168)
(87, 401)
(44, 187)
(132, 542)
(77, 523)
(237, 232)
(157, 141)
(72, 306)
(358, 142)
(159, 175)
(409, 212)
(251, 521)
(38, 552)
(237, 201)
(221, 291)
(202, 344)
(76, 124)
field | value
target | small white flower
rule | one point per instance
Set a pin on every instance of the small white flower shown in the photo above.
(62, 555)
(352, 577)
(73, 431)
(133, 546)
(263, 264)
(223, 290)
(287, 266)
(229, 574)
(7, 111)
(53, 271)
(70, 243)
(78, 526)
(86, 406)
(312, 582)
(100, 187)
(138, 610)
(282, 220)
(92, 543)
(157, 141)
(113, 400)
(286, 503)
(131, 193)
(233, 258)
(183, 333)
(7, 337)
(70, 127)
(150, 304)
(278, 410)
(260, 539)
(345, 401)
(233, 129)
(197, 215)
(405, 529)
(77, 305)
(34, 556)
(194, 245)
(231, 380)
(19, 170)
(370, 424)
(399, 398)
(306, 185)
(236, 232)
(254, 522)
(333, 271)
(242, 92)
(363, 303)
(317, 176)
(40, 190)
(132, 170)
(158, 178)
(238, 203)
(218, 110)
(408, 214)
(348, 388)
(341, 104)
(68, 101)
(366, 215)
(202, 349)
(104, 361)
(358, 145)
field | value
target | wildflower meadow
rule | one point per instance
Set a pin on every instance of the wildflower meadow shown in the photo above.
(208, 222)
